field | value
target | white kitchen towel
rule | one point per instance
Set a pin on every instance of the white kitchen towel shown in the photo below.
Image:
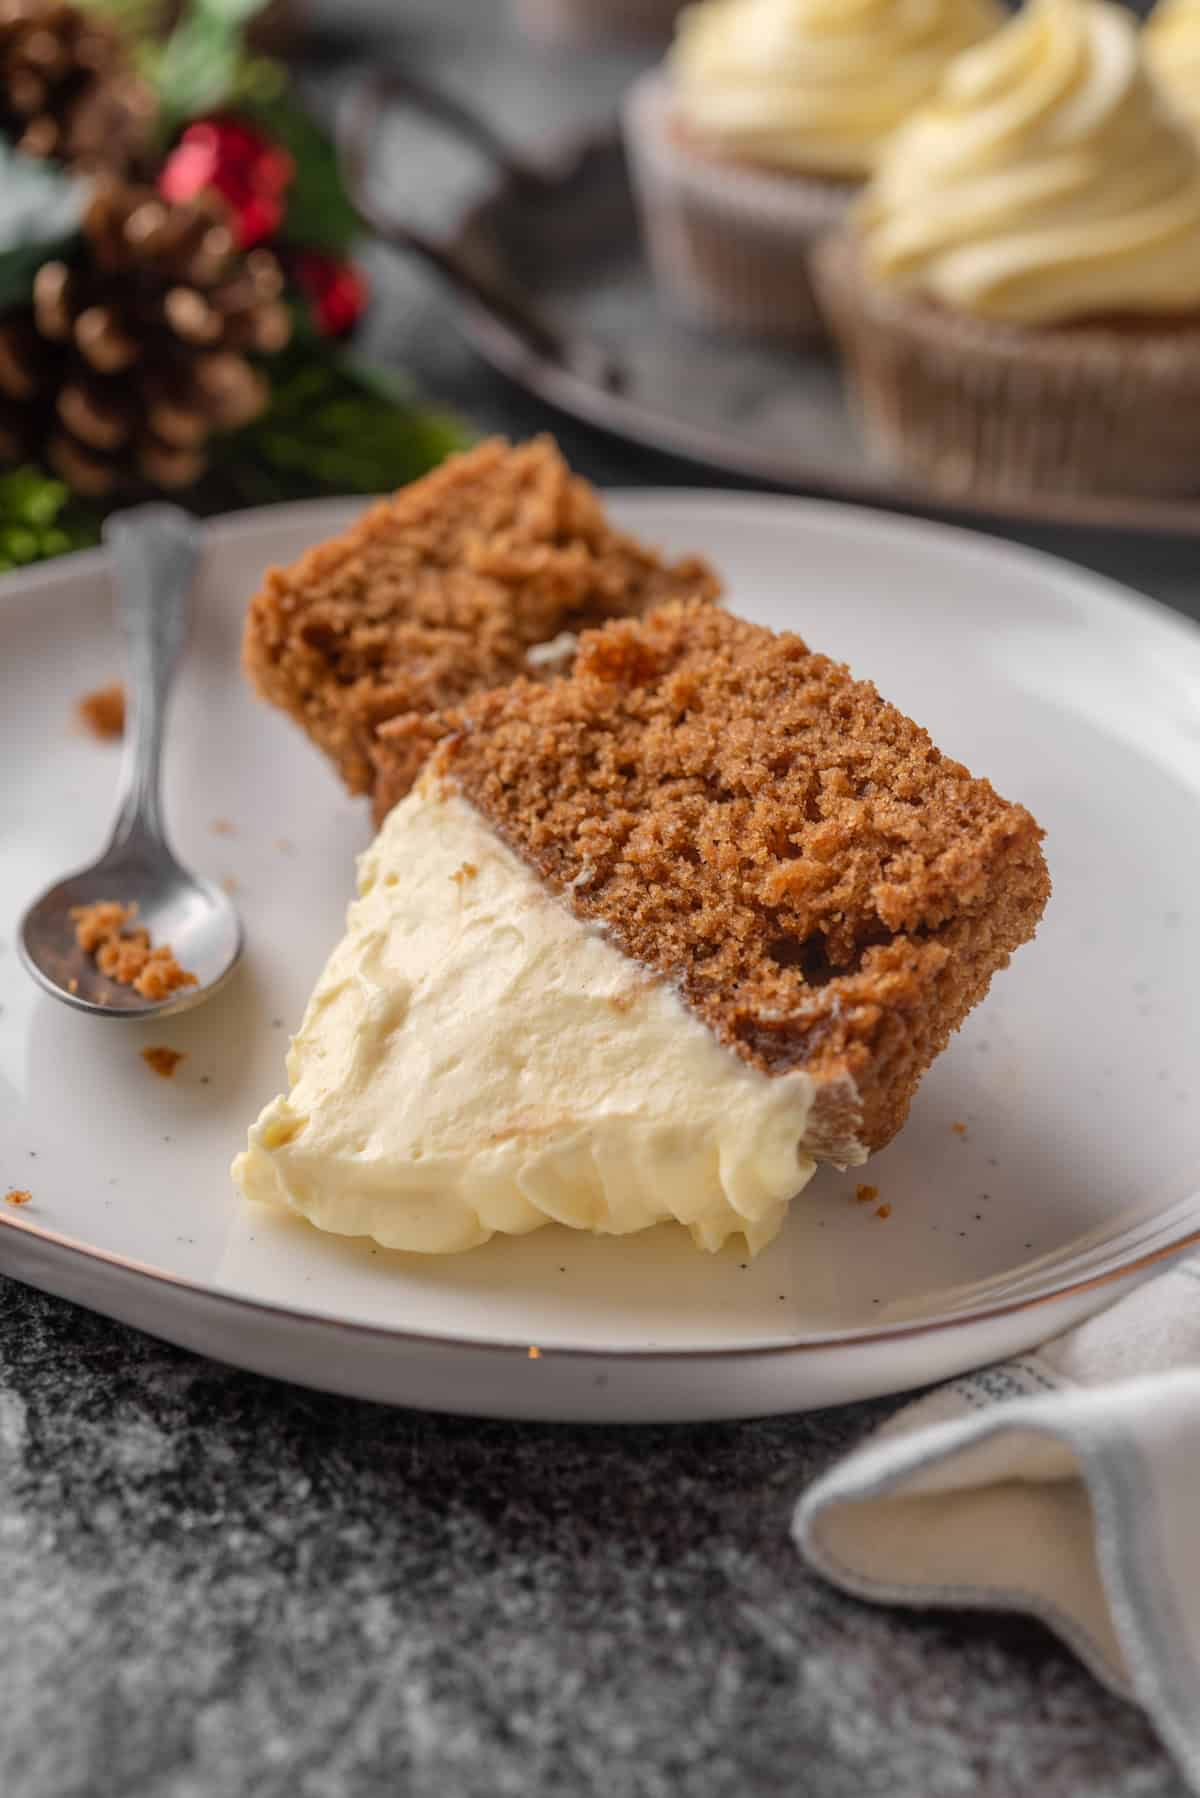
(1065, 1483)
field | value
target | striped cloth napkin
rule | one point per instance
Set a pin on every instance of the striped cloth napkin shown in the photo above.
(1066, 1484)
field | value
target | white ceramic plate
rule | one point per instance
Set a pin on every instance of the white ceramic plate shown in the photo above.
(1078, 1082)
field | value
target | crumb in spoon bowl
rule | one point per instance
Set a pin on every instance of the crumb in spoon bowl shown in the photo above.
(106, 931)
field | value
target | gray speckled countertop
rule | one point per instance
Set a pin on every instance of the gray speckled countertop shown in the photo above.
(213, 1585)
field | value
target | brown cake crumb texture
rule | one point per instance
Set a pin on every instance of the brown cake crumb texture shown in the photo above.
(124, 952)
(163, 1061)
(825, 888)
(18, 1195)
(102, 712)
(439, 592)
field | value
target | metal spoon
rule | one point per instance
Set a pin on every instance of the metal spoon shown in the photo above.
(154, 551)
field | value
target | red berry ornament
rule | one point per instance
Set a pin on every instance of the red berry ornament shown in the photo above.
(335, 291)
(228, 157)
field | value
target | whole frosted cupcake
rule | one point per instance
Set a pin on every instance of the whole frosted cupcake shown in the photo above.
(1018, 291)
(756, 134)
(1172, 44)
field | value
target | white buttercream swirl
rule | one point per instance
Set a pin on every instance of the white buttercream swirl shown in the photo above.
(474, 1059)
(814, 85)
(1172, 42)
(1047, 181)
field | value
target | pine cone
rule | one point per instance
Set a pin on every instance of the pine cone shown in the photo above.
(68, 88)
(139, 349)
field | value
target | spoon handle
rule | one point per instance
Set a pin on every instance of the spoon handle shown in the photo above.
(154, 551)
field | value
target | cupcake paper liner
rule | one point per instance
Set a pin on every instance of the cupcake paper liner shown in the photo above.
(576, 22)
(974, 406)
(728, 245)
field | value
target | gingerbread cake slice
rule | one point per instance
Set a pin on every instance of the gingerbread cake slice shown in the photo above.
(646, 942)
(464, 579)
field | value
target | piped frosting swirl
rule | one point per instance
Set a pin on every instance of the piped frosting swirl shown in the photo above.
(1047, 180)
(814, 86)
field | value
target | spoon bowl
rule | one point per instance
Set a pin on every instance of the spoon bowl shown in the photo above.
(185, 910)
(155, 550)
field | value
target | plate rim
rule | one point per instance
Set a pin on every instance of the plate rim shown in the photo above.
(84, 563)
(605, 408)
(1091, 584)
(876, 1336)
(1118, 601)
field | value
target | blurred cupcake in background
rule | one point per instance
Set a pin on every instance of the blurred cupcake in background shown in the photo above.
(1018, 290)
(755, 135)
(1172, 45)
(573, 24)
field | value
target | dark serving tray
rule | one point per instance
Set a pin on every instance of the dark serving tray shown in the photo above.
(556, 294)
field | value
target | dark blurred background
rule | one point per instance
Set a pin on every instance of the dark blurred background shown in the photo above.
(536, 93)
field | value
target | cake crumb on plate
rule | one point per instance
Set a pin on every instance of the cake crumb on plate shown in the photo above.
(162, 1061)
(18, 1195)
(102, 712)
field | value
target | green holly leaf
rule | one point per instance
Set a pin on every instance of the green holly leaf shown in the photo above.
(196, 70)
(319, 215)
(334, 426)
(232, 12)
(39, 519)
(40, 211)
(137, 20)
(204, 65)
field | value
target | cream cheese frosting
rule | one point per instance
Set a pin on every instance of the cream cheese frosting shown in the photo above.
(1172, 44)
(814, 85)
(475, 1059)
(1047, 181)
